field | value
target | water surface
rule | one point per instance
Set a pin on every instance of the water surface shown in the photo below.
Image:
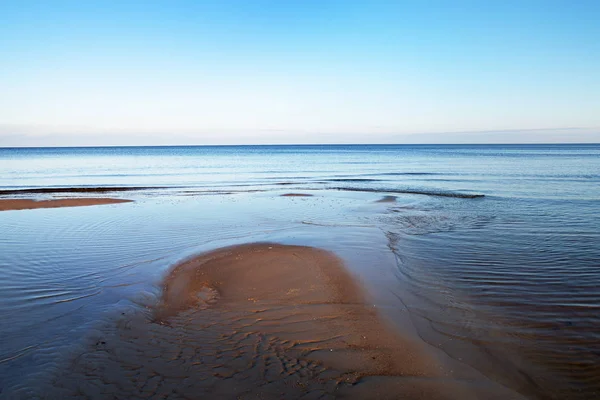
(493, 250)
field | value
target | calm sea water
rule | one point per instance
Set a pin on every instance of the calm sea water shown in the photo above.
(508, 282)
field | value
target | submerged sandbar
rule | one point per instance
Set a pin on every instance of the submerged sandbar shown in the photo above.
(29, 204)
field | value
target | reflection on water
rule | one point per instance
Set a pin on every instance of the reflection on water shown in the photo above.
(507, 282)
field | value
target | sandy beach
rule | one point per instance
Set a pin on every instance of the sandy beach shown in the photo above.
(265, 321)
(28, 204)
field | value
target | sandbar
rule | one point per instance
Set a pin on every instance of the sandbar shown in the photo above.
(266, 321)
(29, 204)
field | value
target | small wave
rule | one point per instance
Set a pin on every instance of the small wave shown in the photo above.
(354, 180)
(79, 297)
(80, 189)
(278, 178)
(208, 193)
(411, 191)
(17, 354)
(408, 173)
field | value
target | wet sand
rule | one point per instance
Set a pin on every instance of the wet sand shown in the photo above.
(28, 204)
(387, 199)
(264, 321)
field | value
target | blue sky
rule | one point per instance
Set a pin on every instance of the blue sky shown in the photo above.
(193, 72)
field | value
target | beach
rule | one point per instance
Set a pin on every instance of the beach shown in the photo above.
(268, 321)
(364, 272)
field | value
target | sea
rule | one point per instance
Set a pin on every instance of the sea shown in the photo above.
(490, 252)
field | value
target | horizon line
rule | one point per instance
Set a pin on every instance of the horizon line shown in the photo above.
(310, 144)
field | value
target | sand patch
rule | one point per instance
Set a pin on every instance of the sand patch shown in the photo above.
(264, 321)
(28, 204)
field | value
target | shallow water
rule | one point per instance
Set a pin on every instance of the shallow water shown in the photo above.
(507, 282)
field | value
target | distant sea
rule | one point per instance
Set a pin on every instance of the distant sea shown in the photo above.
(493, 250)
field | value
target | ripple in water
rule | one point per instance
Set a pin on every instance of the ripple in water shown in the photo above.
(514, 285)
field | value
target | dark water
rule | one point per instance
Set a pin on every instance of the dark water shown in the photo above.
(494, 250)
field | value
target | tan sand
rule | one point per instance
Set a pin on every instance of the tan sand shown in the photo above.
(28, 204)
(263, 321)
(296, 195)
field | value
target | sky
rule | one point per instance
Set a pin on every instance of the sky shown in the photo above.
(242, 72)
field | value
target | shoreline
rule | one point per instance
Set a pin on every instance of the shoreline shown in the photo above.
(267, 320)
(29, 204)
(503, 285)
